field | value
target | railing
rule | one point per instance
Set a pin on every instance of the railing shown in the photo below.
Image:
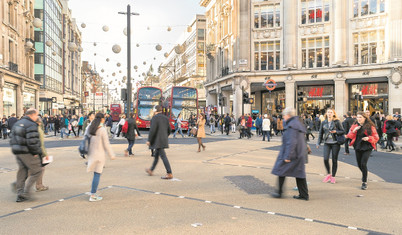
(13, 67)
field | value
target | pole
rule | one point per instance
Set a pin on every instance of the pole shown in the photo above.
(174, 72)
(242, 101)
(128, 59)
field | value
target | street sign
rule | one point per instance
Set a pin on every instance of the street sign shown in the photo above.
(270, 84)
(54, 100)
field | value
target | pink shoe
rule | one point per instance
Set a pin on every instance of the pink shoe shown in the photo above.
(327, 178)
(333, 180)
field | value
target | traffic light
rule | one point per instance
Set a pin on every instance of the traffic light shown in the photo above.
(124, 94)
(220, 100)
(250, 101)
(245, 97)
(300, 97)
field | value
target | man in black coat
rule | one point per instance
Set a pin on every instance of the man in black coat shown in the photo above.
(130, 135)
(158, 140)
(227, 121)
(26, 146)
(347, 124)
(11, 121)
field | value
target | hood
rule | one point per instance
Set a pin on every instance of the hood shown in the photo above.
(294, 123)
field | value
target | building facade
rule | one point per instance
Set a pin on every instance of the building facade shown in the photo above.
(315, 53)
(57, 59)
(185, 64)
(18, 89)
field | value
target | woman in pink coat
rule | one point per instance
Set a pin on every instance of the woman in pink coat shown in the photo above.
(98, 148)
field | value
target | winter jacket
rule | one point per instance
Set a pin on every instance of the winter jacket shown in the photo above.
(25, 137)
(97, 150)
(258, 122)
(159, 132)
(249, 122)
(279, 124)
(324, 135)
(266, 124)
(11, 122)
(132, 126)
(293, 148)
(390, 127)
(109, 121)
(373, 138)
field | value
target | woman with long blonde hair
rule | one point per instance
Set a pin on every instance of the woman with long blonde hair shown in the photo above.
(331, 134)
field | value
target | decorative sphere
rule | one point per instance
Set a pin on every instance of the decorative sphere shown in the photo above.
(107, 59)
(113, 74)
(119, 71)
(80, 49)
(116, 49)
(166, 54)
(37, 23)
(118, 64)
(83, 25)
(144, 63)
(148, 28)
(29, 44)
(158, 47)
(49, 43)
(72, 47)
(105, 28)
(135, 67)
(102, 70)
(94, 54)
(178, 49)
(169, 29)
(125, 31)
(95, 44)
(137, 45)
(54, 53)
(189, 29)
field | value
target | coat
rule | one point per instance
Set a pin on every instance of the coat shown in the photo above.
(159, 132)
(25, 137)
(293, 148)
(266, 124)
(279, 124)
(132, 126)
(98, 147)
(201, 128)
(373, 138)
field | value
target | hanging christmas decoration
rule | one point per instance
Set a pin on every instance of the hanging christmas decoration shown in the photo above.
(137, 45)
(169, 29)
(37, 23)
(113, 74)
(116, 49)
(105, 28)
(29, 44)
(135, 67)
(189, 29)
(49, 43)
(72, 47)
(102, 70)
(80, 49)
(83, 25)
(107, 59)
(118, 64)
(95, 44)
(144, 63)
(158, 47)
(54, 53)
(166, 54)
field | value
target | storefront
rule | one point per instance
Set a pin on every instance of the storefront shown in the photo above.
(29, 99)
(273, 102)
(9, 99)
(372, 96)
(315, 99)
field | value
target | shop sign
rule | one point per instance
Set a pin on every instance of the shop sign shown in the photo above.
(99, 94)
(370, 89)
(54, 99)
(55, 106)
(270, 84)
(61, 106)
(316, 92)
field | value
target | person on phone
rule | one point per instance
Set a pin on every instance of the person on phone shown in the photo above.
(330, 129)
(364, 138)
(98, 148)
(25, 145)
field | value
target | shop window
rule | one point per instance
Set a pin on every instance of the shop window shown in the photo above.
(315, 52)
(368, 7)
(369, 47)
(314, 11)
(267, 55)
(267, 16)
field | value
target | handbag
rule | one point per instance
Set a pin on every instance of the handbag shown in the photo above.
(84, 146)
(340, 139)
(194, 131)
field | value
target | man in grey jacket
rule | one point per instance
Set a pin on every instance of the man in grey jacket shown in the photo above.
(25, 144)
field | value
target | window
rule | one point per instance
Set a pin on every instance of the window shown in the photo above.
(39, 58)
(39, 13)
(267, 16)
(201, 35)
(369, 47)
(314, 11)
(315, 52)
(267, 55)
(368, 7)
(38, 36)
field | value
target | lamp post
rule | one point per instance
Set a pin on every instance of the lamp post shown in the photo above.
(174, 70)
(129, 14)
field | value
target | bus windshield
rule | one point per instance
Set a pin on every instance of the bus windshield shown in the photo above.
(145, 112)
(184, 93)
(185, 112)
(149, 93)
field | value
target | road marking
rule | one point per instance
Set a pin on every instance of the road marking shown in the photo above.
(310, 220)
(61, 200)
(28, 209)
(354, 228)
(182, 197)
(208, 202)
(157, 193)
(271, 213)
(237, 207)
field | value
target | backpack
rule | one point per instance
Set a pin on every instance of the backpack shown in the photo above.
(124, 129)
(84, 146)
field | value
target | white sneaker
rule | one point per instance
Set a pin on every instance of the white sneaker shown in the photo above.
(95, 198)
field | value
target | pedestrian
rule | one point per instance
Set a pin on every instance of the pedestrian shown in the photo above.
(25, 145)
(331, 130)
(11, 121)
(292, 156)
(98, 148)
(249, 124)
(80, 124)
(72, 124)
(121, 124)
(364, 138)
(4, 127)
(279, 125)
(227, 121)
(347, 124)
(45, 121)
(64, 123)
(308, 122)
(50, 124)
(258, 125)
(178, 125)
(212, 124)
(391, 133)
(130, 135)
(44, 156)
(90, 118)
(158, 140)
(201, 132)
(266, 128)
(57, 123)
(233, 123)
(191, 124)
(109, 125)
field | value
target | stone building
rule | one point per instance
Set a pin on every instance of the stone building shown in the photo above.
(18, 88)
(316, 53)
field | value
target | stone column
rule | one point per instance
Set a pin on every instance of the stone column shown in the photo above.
(394, 91)
(290, 90)
(37, 99)
(226, 107)
(340, 31)
(395, 29)
(237, 99)
(20, 97)
(211, 98)
(290, 24)
(341, 97)
(1, 93)
(244, 34)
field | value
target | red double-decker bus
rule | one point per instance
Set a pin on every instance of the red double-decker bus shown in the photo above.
(115, 111)
(146, 99)
(180, 100)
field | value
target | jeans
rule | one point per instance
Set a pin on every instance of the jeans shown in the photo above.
(362, 158)
(162, 154)
(63, 131)
(95, 182)
(50, 126)
(265, 133)
(178, 130)
(227, 128)
(5, 132)
(29, 170)
(334, 148)
(301, 186)
(130, 146)
(212, 126)
(79, 129)
(347, 145)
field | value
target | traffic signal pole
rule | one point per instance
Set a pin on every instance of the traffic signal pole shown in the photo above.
(242, 101)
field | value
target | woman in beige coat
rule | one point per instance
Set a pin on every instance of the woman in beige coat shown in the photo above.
(201, 131)
(98, 148)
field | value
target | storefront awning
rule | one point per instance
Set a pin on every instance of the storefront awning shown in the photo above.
(366, 80)
(227, 88)
(315, 82)
(212, 91)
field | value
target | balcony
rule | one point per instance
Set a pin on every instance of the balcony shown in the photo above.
(13, 67)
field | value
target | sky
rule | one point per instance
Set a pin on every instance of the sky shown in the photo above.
(158, 15)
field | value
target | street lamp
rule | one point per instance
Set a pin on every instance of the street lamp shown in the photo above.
(129, 14)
